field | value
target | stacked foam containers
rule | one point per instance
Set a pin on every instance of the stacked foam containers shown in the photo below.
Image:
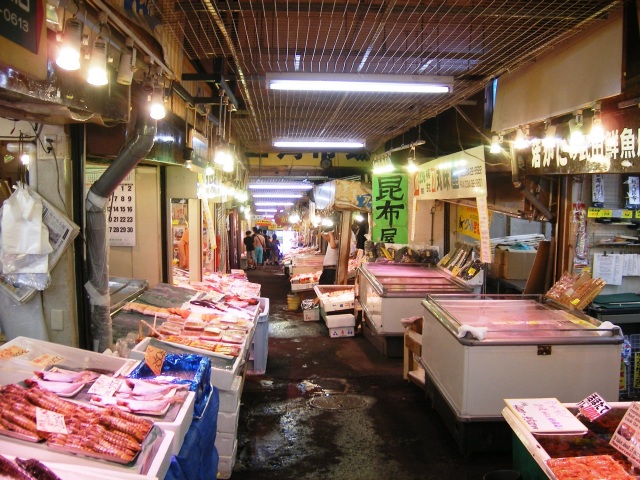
(337, 312)
(229, 410)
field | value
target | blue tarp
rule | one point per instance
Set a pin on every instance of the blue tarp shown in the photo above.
(198, 457)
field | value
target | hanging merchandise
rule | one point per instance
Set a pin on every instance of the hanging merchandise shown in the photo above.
(579, 220)
(25, 239)
(633, 193)
(597, 190)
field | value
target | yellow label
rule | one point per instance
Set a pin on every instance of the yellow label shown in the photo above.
(627, 214)
(455, 271)
(636, 371)
(623, 376)
(12, 352)
(47, 359)
(472, 271)
(605, 213)
(154, 357)
(593, 212)
(575, 301)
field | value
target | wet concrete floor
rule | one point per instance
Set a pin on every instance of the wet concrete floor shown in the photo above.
(336, 408)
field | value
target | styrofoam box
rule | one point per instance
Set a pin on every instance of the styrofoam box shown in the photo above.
(180, 424)
(230, 399)
(341, 332)
(330, 304)
(311, 315)
(228, 422)
(225, 443)
(225, 464)
(341, 320)
(299, 287)
(220, 377)
(155, 465)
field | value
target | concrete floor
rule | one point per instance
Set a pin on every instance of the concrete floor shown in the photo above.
(380, 426)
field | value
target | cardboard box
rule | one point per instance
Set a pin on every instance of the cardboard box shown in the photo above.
(515, 264)
(311, 314)
(341, 325)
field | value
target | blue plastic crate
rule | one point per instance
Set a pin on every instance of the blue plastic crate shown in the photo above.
(260, 344)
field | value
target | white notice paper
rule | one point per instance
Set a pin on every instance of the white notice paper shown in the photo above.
(608, 268)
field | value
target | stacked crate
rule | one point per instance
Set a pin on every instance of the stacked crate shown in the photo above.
(337, 312)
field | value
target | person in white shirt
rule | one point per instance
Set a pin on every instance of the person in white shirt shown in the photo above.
(330, 262)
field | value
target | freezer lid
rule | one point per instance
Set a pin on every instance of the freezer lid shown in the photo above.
(398, 280)
(516, 319)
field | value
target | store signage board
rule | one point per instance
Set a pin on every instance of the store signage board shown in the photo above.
(390, 208)
(23, 37)
(460, 175)
(619, 153)
(120, 208)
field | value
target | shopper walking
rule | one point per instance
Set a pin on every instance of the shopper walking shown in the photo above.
(267, 248)
(258, 245)
(248, 246)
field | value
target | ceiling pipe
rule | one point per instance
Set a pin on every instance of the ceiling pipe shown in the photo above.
(97, 287)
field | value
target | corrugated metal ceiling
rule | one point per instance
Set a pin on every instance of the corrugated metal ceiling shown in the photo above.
(473, 41)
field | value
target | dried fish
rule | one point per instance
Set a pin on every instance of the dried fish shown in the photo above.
(37, 469)
(10, 470)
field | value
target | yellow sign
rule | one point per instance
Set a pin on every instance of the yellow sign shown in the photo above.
(154, 358)
(469, 221)
(636, 371)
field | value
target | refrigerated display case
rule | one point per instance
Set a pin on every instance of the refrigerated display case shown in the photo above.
(478, 350)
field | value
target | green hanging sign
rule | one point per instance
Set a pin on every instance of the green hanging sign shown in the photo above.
(390, 210)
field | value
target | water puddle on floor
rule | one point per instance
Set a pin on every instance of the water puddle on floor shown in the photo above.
(323, 386)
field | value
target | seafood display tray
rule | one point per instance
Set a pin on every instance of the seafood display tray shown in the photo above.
(152, 462)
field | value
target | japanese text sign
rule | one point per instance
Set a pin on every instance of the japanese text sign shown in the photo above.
(460, 175)
(390, 208)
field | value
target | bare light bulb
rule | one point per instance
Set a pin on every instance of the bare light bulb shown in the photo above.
(156, 109)
(68, 57)
(596, 135)
(24, 158)
(97, 74)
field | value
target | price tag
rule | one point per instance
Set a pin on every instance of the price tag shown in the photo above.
(154, 357)
(605, 213)
(472, 271)
(593, 212)
(593, 406)
(105, 386)
(47, 359)
(48, 421)
(627, 214)
(12, 352)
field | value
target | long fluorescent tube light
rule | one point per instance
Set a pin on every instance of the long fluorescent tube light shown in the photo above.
(353, 82)
(267, 210)
(273, 204)
(280, 186)
(318, 143)
(277, 195)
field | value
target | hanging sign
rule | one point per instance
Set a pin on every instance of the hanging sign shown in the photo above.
(23, 37)
(389, 209)
(120, 208)
(619, 152)
(460, 175)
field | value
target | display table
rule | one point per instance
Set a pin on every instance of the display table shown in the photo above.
(531, 452)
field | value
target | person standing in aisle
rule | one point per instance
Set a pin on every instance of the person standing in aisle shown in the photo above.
(275, 250)
(267, 247)
(330, 262)
(258, 245)
(183, 250)
(248, 246)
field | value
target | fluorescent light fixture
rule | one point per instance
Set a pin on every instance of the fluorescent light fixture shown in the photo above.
(273, 204)
(318, 143)
(277, 195)
(280, 186)
(354, 82)
(272, 210)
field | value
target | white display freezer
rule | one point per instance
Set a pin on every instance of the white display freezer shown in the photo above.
(524, 347)
(389, 292)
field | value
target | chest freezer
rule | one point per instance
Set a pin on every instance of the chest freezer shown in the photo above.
(390, 292)
(530, 348)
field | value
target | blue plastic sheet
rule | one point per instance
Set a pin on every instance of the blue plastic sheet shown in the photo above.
(198, 457)
(183, 368)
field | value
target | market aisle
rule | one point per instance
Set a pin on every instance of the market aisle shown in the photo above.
(381, 427)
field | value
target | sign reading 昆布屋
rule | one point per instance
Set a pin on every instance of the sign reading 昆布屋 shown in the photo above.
(460, 175)
(390, 208)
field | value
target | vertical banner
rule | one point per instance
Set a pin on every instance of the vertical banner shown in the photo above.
(390, 208)
(485, 239)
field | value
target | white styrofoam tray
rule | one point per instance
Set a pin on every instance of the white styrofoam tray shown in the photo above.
(228, 422)
(230, 399)
(154, 464)
(330, 304)
(221, 378)
(340, 320)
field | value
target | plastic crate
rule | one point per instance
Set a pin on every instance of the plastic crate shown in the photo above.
(260, 345)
